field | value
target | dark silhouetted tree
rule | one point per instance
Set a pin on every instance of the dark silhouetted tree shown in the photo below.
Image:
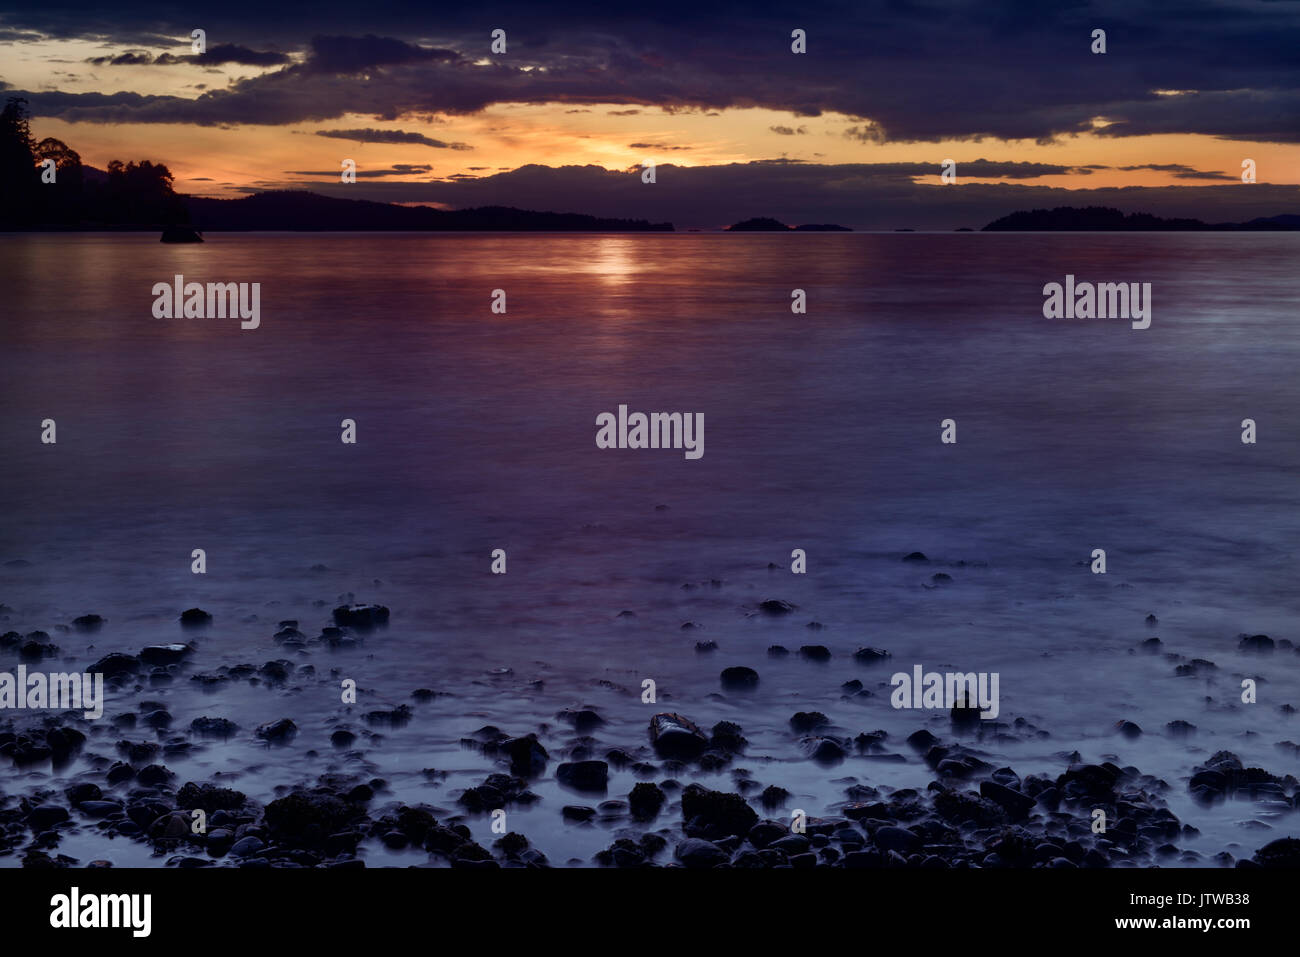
(18, 175)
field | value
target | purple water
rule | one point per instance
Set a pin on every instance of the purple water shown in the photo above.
(476, 431)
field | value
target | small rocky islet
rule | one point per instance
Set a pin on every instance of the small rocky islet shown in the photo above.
(973, 813)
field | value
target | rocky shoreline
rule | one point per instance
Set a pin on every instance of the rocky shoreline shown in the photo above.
(973, 813)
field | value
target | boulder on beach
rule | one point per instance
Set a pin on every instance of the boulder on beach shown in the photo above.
(775, 606)
(114, 664)
(716, 812)
(281, 730)
(699, 855)
(1258, 644)
(360, 615)
(584, 775)
(194, 617)
(674, 736)
(164, 654)
(739, 677)
(214, 727)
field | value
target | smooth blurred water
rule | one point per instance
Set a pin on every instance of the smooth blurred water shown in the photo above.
(477, 431)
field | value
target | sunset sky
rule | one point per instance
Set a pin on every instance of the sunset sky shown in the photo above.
(854, 130)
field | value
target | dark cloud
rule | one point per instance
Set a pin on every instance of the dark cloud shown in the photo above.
(656, 146)
(392, 136)
(397, 169)
(212, 56)
(1181, 171)
(788, 130)
(348, 55)
(129, 58)
(228, 53)
(905, 72)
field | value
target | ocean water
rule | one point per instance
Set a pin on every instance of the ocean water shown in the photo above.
(476, 431)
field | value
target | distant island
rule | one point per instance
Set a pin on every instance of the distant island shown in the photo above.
(1106, 218)
(766, 224)
(302, 210)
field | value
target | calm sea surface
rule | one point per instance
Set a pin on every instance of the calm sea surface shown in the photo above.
(477, 431)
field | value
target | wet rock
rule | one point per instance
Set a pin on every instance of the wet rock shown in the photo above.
(940, 578)
(704, 647)
(195, 618)
(282, 730)
(958, 807)
(164, 654)
(154, 775)
(698, 854)
(63, 741)
(584, 775)
(1281, 853)
(36, 650)
(774, 796)
(584, 719)
(577, 812)
(312, 819)
(1151, 646)
(776, 607)
(674, 736)
(870, 656)
(891, 838)
(342, 738)
(645, 800)
(170, 827)
(46, 816)
(815, 652)
(739, 678)
(804, 721)
(824, 750)
(394, 718)
(209, 797)
(922, 740)
(83, 792)
(1180, 728)
(88, 623)
(1016, 805)
(220, 840)
(764, 833)
(727, 738)
(1152, 621)
(777, 651)
(527, 756)
(213, 727)
(1128, 729)
(361, 616)
(1256, 644)
(1223, 775)
(247, 847)
(716, 813)
(915, 557)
